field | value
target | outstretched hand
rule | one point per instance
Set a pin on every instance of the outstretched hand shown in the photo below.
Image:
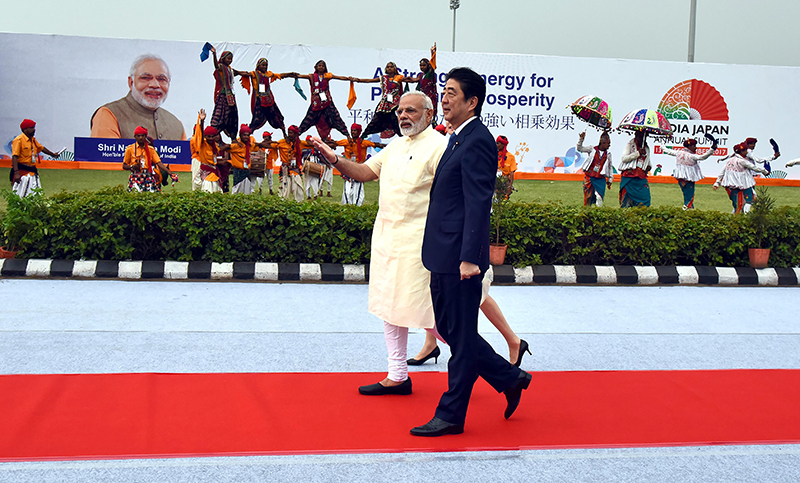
(325, 150)
(202, 114)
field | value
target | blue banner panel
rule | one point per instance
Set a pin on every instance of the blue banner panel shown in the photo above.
(113, 150)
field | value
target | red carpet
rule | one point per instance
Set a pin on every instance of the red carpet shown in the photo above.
(167, 415)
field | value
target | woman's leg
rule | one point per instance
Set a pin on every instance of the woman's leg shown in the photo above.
(492, 312)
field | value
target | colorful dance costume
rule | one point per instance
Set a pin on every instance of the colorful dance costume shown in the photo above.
(384, 118)
(322, 113)
(633, 188)
(687, 172)
(598, 171)
(737, 179)
(226, 114)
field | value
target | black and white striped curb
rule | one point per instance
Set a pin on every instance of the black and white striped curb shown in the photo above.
(334, 272)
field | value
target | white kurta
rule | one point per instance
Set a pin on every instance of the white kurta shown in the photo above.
(399, 285)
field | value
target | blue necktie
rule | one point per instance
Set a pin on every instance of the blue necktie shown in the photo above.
(452, 142)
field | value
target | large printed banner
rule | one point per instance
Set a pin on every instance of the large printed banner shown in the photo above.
(61, 82)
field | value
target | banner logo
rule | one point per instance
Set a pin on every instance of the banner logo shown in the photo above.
(694, 100)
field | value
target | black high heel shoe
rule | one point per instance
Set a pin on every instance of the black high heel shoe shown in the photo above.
(434, 354)
(523, 347)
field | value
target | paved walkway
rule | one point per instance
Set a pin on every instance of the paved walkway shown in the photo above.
(87, 326)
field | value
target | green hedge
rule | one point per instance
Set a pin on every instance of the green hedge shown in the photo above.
(564, 235)
(115, 225)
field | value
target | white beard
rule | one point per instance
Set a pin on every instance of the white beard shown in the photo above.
(415, 128)
(145, 102)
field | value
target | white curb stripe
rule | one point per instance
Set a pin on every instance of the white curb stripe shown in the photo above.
(310, 272)
(523, 275)
(687, 275)
(130, 270)
(646, 275)
(565, 274)
(84, 268)
(38, 268)
(354, 273)
(606, 275)
(767, 277)
(727, 276)
(266, 271)
(176, 270)
(221, 270)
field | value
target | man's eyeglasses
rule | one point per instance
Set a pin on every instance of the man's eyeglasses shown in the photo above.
(162, 79)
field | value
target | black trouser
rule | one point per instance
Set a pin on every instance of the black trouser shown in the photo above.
(382, 121)
(455, 306)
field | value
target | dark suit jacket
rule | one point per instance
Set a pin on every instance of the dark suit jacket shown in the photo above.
(457, 228)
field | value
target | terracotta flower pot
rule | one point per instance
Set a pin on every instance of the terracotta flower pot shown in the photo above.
(7, 253)
(497, 253)
(758, 257)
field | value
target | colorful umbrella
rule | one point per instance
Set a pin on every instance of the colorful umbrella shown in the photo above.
(647, 121)
(592, 110)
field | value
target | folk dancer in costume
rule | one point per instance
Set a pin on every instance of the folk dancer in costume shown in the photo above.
(327, 171)
(633, 187)
(384, 118)
(312, 182)
(355, 151)
(737, 179)
(687, 171)
(262, 101)
(750, 145)
(399, 292)
(193, 149)
(598, 170)
(322, 112)
(239, 151)
(226, 114)
(211, 160)
(195, 143)
(506, 162)
(270, 155)
(258, 168)
(290, 150)
(25, 151)
(427, 81)
(142, 160)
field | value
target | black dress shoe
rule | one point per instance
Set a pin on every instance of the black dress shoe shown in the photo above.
(437, 427)
(378, 389)
(434, 354)
(514, 393)
(523, 347)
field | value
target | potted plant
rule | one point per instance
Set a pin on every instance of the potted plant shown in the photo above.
(502, 192)
(759, 220)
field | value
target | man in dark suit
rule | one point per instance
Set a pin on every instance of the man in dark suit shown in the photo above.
(455, 249)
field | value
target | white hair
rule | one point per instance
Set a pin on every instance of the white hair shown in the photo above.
(142, 58)
(426, 101)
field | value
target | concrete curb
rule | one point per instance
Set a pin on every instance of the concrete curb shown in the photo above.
(334, 272)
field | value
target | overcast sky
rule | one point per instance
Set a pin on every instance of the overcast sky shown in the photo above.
(728, 31)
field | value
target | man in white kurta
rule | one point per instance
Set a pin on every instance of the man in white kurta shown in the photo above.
(399, 285)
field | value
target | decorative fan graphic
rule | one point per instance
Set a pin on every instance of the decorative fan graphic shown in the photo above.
(694, 100)
(562, 164)
(777, 174)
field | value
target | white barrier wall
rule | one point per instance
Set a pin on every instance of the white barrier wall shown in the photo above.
(60, 81)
